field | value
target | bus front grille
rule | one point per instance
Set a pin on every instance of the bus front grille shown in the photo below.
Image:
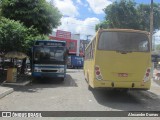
(49, 70)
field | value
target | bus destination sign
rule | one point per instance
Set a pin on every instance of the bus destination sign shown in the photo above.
(56, 44)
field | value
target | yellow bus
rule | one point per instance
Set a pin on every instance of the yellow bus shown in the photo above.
(119, 58)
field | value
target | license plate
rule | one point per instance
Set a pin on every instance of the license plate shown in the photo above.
(122, 74)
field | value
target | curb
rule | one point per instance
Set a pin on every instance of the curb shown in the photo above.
(17, 84)
(3, 93)
(4, 90)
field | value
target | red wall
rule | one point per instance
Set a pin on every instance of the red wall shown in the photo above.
(71, 44)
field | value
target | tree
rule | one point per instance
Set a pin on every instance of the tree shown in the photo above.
(156, 16)
(14, 36)
(12, 33)
(37, 13)
(144, 16)
(122, 15)
(104, 24)
(126, 14)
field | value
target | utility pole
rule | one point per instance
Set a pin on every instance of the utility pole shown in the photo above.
(151, 24)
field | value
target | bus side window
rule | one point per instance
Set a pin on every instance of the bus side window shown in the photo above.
(93, 49)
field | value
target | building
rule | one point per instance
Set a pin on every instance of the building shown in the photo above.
(75, 46)
(82, 47)
(72, 40)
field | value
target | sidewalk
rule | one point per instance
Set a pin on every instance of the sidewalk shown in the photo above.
(5, 91)
(7, 87)
(22, 80)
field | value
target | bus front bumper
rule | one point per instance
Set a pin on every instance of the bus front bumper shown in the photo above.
(51, 75)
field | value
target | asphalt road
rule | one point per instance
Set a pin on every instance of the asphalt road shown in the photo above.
(73, 95)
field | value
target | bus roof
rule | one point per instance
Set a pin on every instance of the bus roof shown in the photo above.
(50, 41)
(124, 30)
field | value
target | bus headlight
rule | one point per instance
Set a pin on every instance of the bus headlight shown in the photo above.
(37, 70)
(61, 70)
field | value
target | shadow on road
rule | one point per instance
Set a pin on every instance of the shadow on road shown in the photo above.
(47, 83)
(128, 101)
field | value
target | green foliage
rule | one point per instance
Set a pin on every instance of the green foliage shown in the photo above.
(104, 24)
(126, 14)
(14, 36)
(122, 14)
(37, 13)
(156, 16)
(144, 16)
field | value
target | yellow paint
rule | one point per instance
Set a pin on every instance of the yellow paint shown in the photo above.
(112, 64)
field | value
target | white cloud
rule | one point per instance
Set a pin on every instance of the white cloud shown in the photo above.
(75, 26)
(66, 7)
(79, 2)
(98, 5)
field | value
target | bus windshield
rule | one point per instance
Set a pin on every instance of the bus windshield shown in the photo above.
(123, 41)
(43, 53)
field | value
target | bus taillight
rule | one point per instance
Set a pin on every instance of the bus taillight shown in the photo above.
(98, 73)
(147, 74)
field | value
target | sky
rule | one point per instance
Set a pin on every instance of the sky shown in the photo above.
(81, 16)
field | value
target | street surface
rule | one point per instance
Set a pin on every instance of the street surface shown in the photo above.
(73, 95)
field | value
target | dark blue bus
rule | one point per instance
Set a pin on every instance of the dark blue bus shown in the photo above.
(49, 59)
(75, 61)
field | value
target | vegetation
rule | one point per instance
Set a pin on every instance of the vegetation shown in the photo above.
(24, 21)
(14, 36)
(37, 13)
(127, 14)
